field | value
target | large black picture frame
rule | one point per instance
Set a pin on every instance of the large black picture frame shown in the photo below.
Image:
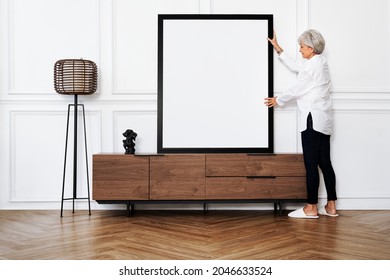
(213, 73)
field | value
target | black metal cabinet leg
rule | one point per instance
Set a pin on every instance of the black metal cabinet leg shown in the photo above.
(130, 209)
(205, 208)
(280, 208)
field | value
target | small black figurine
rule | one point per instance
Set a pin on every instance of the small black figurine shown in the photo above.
(129, 144)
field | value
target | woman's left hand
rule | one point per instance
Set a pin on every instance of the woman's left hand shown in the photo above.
(270, 101)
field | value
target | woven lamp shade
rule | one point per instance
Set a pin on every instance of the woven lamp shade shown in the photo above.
(75, 76)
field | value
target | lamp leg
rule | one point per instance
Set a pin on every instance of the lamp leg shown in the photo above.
(66, 151)
(86, 159)
(75, 151)
(74, 197)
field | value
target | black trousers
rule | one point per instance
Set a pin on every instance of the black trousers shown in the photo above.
(316, 153)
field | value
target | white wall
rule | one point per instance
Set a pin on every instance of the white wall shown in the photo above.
(121, 37)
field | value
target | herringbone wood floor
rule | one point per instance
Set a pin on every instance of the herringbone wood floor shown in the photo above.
(192, 235)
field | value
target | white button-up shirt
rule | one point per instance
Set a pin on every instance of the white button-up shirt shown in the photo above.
(312, 92)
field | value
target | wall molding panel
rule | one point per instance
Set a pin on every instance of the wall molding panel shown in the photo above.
(353, 67)
(36, 163)
(144, 123)
(49, 37)
(121, 37)
(134, 61)
(286, 127)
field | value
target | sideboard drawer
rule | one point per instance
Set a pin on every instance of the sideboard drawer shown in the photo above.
(255, 187)
(221, 165)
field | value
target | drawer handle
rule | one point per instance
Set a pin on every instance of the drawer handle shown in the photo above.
(261, 155)
(261, 177)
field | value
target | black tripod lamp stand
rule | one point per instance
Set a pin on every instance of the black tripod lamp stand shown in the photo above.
(75, 77)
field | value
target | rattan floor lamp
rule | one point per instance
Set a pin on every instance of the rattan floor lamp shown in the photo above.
(75, 77)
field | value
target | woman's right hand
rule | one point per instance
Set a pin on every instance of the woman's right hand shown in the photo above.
(275, 44)
(270, 101)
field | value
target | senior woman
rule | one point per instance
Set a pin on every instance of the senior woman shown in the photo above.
(311, 92)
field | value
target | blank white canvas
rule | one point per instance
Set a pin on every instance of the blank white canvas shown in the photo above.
(215, 77)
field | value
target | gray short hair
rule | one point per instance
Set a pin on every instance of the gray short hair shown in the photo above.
(312, 38)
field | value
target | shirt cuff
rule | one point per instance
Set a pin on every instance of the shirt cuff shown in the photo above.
(280, 101)
(282, 56)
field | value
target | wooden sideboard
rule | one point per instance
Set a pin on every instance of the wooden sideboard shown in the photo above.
(204, 178)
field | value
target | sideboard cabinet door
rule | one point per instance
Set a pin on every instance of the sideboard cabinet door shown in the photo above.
(177, 177)
(120, 177)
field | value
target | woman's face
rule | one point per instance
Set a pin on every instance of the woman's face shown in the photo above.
(306, 51)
